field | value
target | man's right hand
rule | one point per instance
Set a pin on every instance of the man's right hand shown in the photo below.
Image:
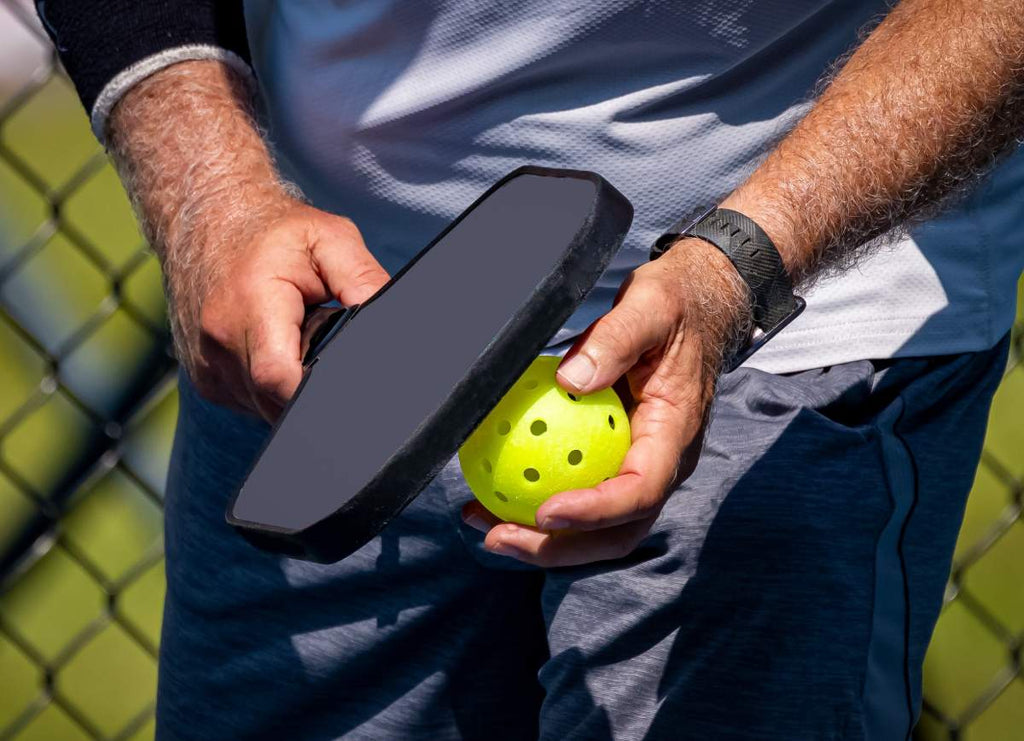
(240, 332)
(242, 256)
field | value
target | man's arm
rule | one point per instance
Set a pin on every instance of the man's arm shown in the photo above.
(107, 46)
(167, 87)
(924, 107)
(242, 255)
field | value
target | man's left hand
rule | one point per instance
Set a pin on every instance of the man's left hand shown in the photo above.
(666, 334)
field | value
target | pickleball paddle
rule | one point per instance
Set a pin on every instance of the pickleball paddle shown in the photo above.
(392, 387)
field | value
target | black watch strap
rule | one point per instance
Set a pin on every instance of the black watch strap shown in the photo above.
(756, 260)
(751, 251)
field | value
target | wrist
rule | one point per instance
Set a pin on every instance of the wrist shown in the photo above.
(195, 166)
(224, 218)
(211, 239)
(772, 215)
(188, 150)
(717, 304)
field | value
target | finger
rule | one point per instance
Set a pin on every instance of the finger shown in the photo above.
(478, 516)
(551, 550)
(272, 341)
(222, 381)
(614, 343)
(661, 432)
(216, 370)
(348, 269)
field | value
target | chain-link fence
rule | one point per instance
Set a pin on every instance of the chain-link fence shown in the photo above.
(86, 416)
(974, 684)
(87, 407)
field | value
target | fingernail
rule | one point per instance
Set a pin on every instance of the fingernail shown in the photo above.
(477, 523)
(554, 523)
(504, 549)
(578, 370)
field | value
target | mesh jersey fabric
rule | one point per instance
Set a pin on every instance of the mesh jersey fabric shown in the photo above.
(399, 113)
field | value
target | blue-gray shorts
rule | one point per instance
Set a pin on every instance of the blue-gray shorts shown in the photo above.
(788, 590)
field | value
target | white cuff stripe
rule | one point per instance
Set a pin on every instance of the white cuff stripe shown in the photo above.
(124, 80)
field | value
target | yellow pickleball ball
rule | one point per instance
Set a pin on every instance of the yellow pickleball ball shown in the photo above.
(540, 440)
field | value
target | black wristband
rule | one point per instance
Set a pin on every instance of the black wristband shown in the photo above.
(752, 253)
(97, 39)
(756, 259)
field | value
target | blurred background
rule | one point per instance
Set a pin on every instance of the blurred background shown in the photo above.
(87, 411)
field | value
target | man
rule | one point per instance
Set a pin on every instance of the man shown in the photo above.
(787, 588)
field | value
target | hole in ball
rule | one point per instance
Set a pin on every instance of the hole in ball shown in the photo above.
(539, 427)
(487, 465)
(531, 384)
(572, 396)
(531, 474)
(504, 426)
(575, 456)
(501, 496)
(611, 421)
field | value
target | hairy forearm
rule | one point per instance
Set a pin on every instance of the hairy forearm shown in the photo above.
(196, 168)
(243, 255)
(925, 106)
(184, 142)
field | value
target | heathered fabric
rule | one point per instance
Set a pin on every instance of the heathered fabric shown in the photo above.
(399, 113)
(790, 586)
(787, 591)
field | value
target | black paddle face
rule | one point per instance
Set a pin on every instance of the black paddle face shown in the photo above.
(394, 388)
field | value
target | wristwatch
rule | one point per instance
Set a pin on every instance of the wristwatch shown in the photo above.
(757, 261)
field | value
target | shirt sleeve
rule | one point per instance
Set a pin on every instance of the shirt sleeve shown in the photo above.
(107, 46)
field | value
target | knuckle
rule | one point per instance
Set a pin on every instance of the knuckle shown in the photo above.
(372, 275)
(618, 337)
(623, 319)
(644, 505)
(346, 227)
(296, 229)
(268, 373)
(212, 325)
(334, 227)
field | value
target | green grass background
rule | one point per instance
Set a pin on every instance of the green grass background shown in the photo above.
(79, 628)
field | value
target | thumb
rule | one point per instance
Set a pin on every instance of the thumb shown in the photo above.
(613, 344)
(348, 269)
